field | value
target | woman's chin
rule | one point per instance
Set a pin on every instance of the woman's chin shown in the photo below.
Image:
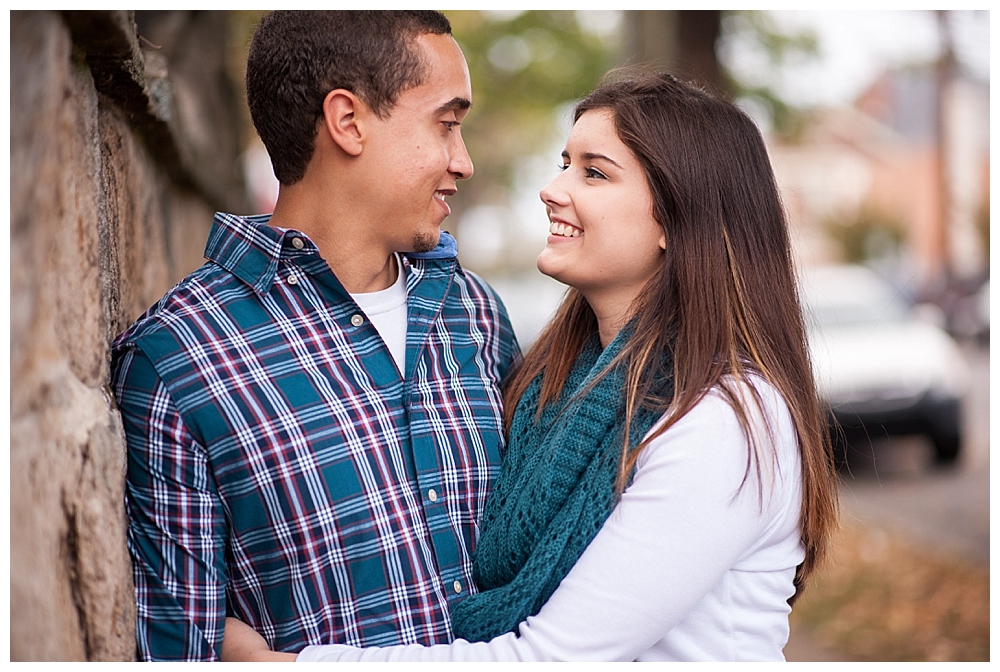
(546, 267)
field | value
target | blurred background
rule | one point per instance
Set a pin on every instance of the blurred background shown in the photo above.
(877, 124)
(128, 129)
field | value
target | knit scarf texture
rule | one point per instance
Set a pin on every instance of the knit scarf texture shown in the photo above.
(555, 490)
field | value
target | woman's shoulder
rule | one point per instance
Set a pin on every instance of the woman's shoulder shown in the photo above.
(754, 397)
(758, 398)
(724, 423)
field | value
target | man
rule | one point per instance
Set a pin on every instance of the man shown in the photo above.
(313, 418)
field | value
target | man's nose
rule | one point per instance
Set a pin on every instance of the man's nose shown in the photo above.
(461, 163)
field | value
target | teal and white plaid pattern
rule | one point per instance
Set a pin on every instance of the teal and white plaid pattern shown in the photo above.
(281, 470)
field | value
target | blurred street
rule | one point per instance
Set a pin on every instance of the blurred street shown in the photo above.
(944, 510)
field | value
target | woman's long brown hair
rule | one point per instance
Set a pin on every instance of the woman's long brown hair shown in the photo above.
(725, 297)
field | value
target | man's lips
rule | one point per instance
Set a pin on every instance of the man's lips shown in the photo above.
(441, 194)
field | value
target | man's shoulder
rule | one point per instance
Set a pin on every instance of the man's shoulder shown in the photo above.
(201, 292)
(239, 255)
(441, 265)
(489, 309)
(481, 286)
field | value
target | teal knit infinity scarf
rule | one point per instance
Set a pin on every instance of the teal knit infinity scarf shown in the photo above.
(553, 494)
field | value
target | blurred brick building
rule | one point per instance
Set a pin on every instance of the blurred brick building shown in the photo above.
(913, 153)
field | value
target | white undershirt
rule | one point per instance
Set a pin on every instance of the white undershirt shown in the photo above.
(387, 311)
(684, 569)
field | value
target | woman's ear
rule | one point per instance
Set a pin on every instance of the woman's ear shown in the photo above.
(340, 119)
(663, 241)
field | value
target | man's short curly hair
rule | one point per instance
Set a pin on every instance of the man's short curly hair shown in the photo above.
(297, 57)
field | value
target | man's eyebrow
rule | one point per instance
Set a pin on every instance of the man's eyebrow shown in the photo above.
(591, 156)
(456, 103)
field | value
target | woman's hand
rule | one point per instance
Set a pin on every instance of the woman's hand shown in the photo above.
(242, 644)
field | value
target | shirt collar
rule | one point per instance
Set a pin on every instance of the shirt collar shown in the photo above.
(446, 248)
(249, 248)
(246, 247)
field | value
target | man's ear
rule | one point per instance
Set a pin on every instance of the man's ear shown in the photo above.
(340, 119)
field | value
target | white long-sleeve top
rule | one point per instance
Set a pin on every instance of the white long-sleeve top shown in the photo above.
(695, 562)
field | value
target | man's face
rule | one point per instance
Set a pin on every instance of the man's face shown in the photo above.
(416, 155)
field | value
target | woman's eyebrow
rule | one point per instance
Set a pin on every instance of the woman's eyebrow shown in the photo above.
(591, 156)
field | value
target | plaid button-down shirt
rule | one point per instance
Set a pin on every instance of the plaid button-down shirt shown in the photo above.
(280, 469)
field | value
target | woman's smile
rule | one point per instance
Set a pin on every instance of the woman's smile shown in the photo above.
(560, 229)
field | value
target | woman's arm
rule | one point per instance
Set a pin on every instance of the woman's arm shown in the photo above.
(242, 644)
(678, 529)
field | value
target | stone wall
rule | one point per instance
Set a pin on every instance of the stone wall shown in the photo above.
(125, 133)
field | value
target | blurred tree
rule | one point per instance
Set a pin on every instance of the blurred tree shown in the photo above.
(524, 66)
(983, 222)
(681, 41)
(754, 37)
(866, 234)
(241, 26)
(710, 46)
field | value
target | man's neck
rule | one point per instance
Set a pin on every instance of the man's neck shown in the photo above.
(341, 234)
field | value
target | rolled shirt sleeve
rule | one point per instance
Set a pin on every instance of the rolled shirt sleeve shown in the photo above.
(177, 527)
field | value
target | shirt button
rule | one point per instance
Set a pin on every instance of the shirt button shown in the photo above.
(297, 243)
(292, 280)
(457, 586)
(357, 320)
(432, 495)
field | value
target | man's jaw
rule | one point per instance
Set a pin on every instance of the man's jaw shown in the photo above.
(425, 242)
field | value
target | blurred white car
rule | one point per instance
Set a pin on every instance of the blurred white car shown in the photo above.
(882, 368)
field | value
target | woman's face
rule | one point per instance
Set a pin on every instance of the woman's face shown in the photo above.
(603, 239)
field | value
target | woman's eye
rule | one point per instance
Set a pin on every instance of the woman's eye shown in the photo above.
(450, 125)
(563, 166)
(593, 172)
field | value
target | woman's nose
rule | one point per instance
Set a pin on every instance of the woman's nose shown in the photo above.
(551, 194)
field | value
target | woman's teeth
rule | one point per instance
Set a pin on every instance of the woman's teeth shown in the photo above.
(560, 229)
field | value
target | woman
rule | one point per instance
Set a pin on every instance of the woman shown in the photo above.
(687, 536)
